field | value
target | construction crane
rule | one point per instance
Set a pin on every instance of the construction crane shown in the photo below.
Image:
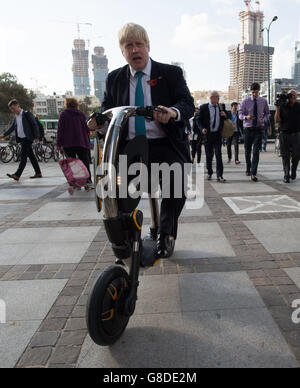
(78, 25)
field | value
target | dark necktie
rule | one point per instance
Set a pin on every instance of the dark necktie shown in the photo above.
(215, 120)
(255, 113)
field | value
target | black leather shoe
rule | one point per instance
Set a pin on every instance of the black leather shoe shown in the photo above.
(286, 179)
(165, 246)
(248, 173)
(221, 180)
(254, 178)
(209, 177)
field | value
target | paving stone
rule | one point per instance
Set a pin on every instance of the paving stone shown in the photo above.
(72, 338)
(79, 312)
(53, 324)
(270, 296)
(65, 355)
(76, 324)
(37, 356)
(66, 300)
(43, 339)
(60, 311)
(293, 338)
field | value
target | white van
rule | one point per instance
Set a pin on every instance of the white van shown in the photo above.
(50, 127)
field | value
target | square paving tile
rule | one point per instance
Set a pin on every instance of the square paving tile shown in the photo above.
(272, 175)
(201, 240)
(27, 304)
(263, 204)
(277, 236)
(65, 211)
(294, 274)
(294, 185)
(217, 291)
(46, 181)
(45, 245)
(243, 187)
(8, 209)
(222, 322)
(22, 194)
(78, 194)
(199, 209)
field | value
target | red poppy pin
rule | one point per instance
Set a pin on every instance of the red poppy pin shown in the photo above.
(154, 82)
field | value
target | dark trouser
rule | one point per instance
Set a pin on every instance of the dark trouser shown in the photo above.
(290, 150)
(265, 139)
(80, 153)
(235, 140)
(214, 147)
(197, 149)
(253, 138)
(27, 152)
(161, 151)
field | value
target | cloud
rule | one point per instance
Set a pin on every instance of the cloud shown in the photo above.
(197, 33)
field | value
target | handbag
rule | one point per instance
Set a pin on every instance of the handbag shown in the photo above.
(228, 127)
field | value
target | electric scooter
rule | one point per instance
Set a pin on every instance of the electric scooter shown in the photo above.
(113, 298)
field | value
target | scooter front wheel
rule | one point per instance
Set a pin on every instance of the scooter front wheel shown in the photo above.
(106, 321)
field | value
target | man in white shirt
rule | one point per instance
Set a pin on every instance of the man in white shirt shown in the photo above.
(27, 132)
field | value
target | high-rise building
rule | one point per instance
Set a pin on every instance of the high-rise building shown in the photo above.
(249, 59)
(296, 66)
(100, 69)
(81, 69)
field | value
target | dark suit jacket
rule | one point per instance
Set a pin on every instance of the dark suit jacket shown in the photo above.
(30, 126)
(170, 91)
(240, 122)
(203, 118)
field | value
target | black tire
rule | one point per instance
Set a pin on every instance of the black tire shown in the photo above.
(107, 301)
(7, 154)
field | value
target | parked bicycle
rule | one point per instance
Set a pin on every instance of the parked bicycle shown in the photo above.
(6, 153)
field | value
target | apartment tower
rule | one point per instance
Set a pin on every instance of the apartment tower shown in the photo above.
(81, 69)
(249, 58)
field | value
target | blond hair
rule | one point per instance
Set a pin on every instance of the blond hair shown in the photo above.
(133, 31)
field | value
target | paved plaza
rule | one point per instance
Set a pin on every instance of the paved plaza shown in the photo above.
(223, 300)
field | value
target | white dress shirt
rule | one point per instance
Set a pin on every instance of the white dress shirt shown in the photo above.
(212, 117)
(20, 129)
(154, 129)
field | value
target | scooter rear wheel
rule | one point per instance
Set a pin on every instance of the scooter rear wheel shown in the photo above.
(105, 319)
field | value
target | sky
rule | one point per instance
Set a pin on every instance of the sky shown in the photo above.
(36, 37)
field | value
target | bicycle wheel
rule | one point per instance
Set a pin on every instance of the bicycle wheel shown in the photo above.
(38, 151)
(105, 319)
(7, 154)
(47, 152)
(17, 154)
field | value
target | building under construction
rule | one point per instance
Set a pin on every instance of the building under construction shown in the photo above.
(81, 69)
(249, 59)
(100, 70)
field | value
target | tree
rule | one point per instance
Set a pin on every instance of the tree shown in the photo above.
(10, 89)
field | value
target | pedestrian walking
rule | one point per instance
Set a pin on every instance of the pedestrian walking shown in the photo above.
(253, 111)
(233, 115)
(210, 120)
(288, 117)
(266, 133)
(26, 132)
(72, 133)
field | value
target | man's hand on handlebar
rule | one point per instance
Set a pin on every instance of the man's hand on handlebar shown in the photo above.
(96, 121)
(165, 115)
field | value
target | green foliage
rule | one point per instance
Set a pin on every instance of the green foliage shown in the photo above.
(10, 89)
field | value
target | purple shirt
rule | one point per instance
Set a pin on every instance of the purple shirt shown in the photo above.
(247, 109)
